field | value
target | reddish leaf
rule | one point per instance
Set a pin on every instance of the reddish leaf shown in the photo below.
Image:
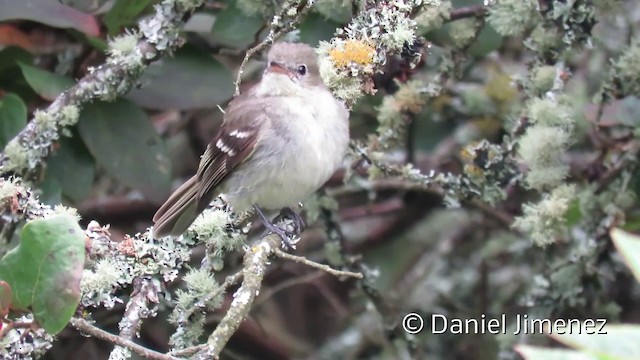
(5, 299)
(49, 12)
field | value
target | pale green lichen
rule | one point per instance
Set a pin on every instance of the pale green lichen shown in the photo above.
(344, 87)
(432, 17)
(625, 71)
(545, 220)
(541, 148)
(69, 115)
(410, 98)
(97, 286)
(543, 78)
(463, 31)
(7, 190)
(549, 112)
(17, 156)
(212, 228)
(544, 40)
(513, 17)
(123, 45)
(65, 210)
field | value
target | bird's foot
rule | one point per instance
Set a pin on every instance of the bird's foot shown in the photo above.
(298, 221)
(289, 238)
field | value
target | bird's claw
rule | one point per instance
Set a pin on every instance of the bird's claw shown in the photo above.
(289, 238)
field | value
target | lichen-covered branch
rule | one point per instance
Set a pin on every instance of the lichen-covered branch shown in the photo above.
(145, 290)
(129, 55)
(254, 267)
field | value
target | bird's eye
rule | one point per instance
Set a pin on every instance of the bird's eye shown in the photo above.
(302, 70)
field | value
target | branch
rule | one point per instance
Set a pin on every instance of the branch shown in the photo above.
(144, 291)
(467, 12)
(254, 267)
(87, 328)
(156, 36)
(299, 259)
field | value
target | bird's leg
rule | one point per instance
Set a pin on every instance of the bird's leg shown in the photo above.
(271, 227)
(298, 221)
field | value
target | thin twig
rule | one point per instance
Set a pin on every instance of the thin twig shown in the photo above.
(299, 259)
(86, 327)
(467, 12)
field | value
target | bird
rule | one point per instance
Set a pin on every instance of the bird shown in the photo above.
(279, 142)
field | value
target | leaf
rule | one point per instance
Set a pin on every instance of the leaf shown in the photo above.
(47, 84)
(629, 247)
(315, 28)
(50, 191)
(123, 141)
(123, 13)
(11, 55)
(13, 117)
(487, 41)
(49, 12)
(5, 298)
(619, 343)
(539, 353)
(45, 269)
(191, 79)
(233, 28)
(73, 167)
(88, 6)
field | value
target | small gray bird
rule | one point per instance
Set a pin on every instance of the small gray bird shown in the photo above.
(279, 142)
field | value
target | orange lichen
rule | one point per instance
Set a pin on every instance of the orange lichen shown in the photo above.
(353, 51)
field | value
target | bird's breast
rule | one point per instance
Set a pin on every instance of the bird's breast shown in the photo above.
(297, 155)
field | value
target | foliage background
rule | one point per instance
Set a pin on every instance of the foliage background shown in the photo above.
(552, 86)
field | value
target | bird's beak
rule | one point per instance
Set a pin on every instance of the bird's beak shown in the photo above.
(278, 68)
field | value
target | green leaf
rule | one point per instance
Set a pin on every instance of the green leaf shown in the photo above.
(45, 269)
(539, 353)
(487, 41)
(11, 55)
(13, 117)
(629, 247)
(315, 28)
(233, 28)
(73, 167)
(50, 191)
(49, 12)
(191, 79)
(621, 342)
(47, 84)
(123, 141)
(123, 13)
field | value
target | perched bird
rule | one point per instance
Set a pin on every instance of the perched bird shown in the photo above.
(279, 142)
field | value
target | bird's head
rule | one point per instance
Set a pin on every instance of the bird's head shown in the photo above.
(291, 67)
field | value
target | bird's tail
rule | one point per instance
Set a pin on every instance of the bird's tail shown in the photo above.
(178, 212)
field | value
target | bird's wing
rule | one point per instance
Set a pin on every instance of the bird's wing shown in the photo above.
(234, 143)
